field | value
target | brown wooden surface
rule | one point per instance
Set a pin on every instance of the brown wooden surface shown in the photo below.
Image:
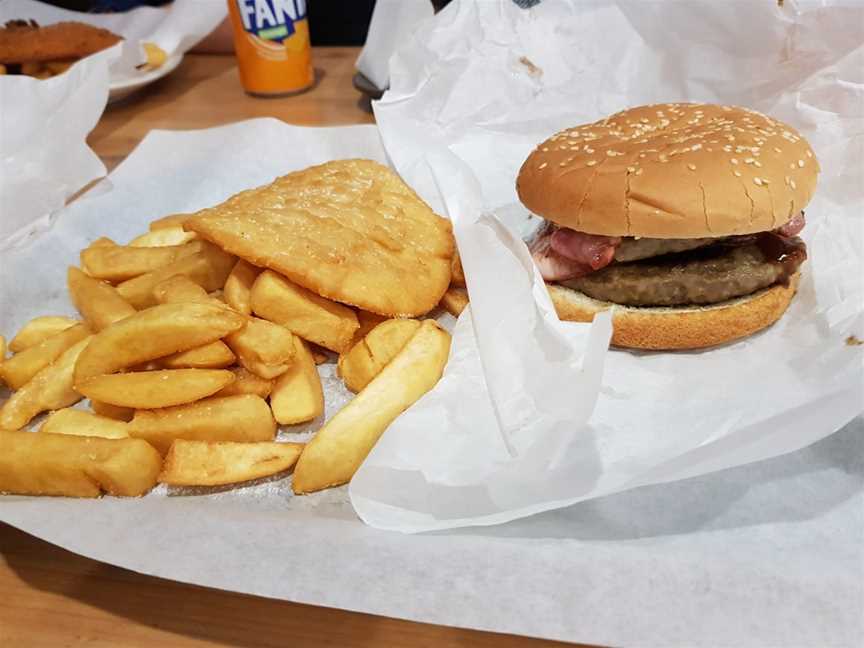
(50, 597)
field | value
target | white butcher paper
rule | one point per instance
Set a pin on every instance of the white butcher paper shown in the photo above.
(767, 553)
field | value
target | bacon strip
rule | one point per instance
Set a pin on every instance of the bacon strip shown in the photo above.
(562, 253)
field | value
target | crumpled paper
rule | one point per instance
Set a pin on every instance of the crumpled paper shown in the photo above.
(472, 93)
(44, 157)
(391, 23)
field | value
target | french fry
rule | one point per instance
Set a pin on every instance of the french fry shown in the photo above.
(214, 463)
(172, 220)
(121, 262)
(22, 367)
(108, 410)
(338, 449)
(178, 289)
(238, 287)
(49, 389)
(262, 341)
(243, 418)
(155, 389)
(246, 382)
(457, 274)
(368, 321)
(368, 357)
(76, 466)
(208, 268)
(215, 355)
(2, 349)
(308, 315)
(154, 333)
(102, 241)
(97, 301)
(155, 56)
(38, 330)
(162, 237)
(297, 395)
(81, 423)
(455, 300)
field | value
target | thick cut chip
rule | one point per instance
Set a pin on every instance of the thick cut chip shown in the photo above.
(160, 237)
(458, 278)
(112, 411)
(215, 355)
(81, 423)
(308, 315)
(238, 286)
(455, 300)
(38, 330)
(214, 463)
(155, 333)
(155, 389)
(297, 396)
(208, 268)
(121, 262)
(337, 450)
(247, 382)
(98, 302)
(244, 418)
(172, 220)
(76, 466)
(49, 389)
(349, 230)
(20, 368)
(370, 355)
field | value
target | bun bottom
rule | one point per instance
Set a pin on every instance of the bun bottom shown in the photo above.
(683, 327)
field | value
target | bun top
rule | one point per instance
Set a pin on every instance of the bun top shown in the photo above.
(671, 171)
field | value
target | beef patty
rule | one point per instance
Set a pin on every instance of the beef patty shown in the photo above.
(707, 275)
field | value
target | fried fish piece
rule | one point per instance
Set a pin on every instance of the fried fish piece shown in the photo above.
(350, 230)
(23, 41)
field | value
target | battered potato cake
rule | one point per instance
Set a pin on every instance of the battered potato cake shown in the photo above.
(23, 41)
(349, 230)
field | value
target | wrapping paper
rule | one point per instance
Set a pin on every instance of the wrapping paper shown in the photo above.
(471, 94)
(44, 158)
(762, 554)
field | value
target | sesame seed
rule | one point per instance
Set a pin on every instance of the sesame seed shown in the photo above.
(791, 165)
(562, 164)
(591, 163)
(639, 171)
(792, 184)
(759, 182)
(737, 173)
(545, 149)
(733, 160)
(543, 166)
(800, 163)
(777, 150)
(749, 161)
(631, 169)
(757, 163)
(692, 167)
(809, 154)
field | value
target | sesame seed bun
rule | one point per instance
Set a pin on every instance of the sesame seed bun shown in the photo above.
(671, 171)
(690, 327)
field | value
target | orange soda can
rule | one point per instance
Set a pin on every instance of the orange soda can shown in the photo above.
(271, 39)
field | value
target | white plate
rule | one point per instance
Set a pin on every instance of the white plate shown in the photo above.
(124, 85)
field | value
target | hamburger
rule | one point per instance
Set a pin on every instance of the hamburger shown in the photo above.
(681, 218)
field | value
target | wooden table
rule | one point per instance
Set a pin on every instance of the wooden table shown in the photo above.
(50, 597)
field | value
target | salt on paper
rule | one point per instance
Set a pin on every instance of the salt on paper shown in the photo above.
(471, 94)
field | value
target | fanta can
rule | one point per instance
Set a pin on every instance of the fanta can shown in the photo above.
(271, 38)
